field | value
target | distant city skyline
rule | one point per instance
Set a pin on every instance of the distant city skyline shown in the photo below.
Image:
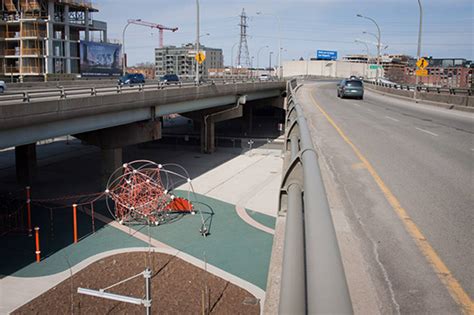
(307, 25)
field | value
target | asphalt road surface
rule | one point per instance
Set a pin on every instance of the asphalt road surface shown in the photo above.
(400, 182)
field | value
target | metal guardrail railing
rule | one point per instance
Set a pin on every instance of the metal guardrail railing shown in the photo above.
(313, 279)
(427, 89)
(61, 92)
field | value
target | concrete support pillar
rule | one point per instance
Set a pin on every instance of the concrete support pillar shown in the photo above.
(67, 37)
(49, 39)
(111, 160)
(208, 139)
(112, 140)
(25, 160)
(247, 122)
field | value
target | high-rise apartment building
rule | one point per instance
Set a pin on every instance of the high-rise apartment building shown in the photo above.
(180, 60)
(42, 37)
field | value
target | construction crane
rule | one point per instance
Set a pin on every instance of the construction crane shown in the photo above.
(154, 25)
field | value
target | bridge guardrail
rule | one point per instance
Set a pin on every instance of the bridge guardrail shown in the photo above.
(427, 89)
(61, 92)
(313, 279)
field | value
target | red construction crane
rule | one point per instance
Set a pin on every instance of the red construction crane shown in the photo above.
(154, 25)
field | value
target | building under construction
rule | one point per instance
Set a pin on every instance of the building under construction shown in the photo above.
(40, 39)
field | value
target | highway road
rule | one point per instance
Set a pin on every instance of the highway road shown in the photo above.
(400, 182)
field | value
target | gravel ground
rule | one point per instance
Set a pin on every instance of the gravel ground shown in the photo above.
(177, 288)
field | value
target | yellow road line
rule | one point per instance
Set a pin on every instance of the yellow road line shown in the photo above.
(453, 286)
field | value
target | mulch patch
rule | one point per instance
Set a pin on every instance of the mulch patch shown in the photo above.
(178, 287)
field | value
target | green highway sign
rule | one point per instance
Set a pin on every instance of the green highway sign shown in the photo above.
(374, 67)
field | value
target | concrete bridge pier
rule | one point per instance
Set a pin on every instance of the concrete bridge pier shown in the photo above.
(208, 125)
(25, 162)
(111, 159)
(247, 121)
(112, 140)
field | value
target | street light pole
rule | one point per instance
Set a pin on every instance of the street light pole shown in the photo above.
(368, 55)
(258, 58)
(124, 55)
(197, 41)
(378, 44)
(270, 61)
(232, 59)
(279, 42)
(418, 52)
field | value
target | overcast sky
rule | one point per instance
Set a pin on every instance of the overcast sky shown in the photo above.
(307, 25)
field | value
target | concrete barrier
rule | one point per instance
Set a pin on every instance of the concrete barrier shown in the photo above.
(458, 101)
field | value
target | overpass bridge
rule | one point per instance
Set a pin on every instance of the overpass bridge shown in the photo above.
(115, 116)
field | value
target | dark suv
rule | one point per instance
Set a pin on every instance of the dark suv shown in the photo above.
(350, 88)
(170, 78)
(131, 78)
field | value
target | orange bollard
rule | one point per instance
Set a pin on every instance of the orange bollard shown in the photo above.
(37, 252)
(74, 218)
(28, 207)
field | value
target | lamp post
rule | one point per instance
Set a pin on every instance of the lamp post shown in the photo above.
(368, 53)
(258, 58)
(197, 41)
(279, 41)
(270, 60)
(371, 34)
(378, 44)
(124, 57)
(418, 51)
(232, 59)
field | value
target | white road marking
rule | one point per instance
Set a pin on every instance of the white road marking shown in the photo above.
(370, 110)
(391, 118)
(356, 104)
(426, 131)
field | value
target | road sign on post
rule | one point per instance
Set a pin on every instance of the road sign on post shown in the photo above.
(374, 67)
(200, 57)
(422, 63)
(421, 72)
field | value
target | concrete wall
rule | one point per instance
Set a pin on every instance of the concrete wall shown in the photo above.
(456, 100)
(334, 69)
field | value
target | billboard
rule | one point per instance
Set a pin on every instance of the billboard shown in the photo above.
(326, 55)
(100, 59)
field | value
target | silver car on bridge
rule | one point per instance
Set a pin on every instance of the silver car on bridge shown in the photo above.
(350, 88)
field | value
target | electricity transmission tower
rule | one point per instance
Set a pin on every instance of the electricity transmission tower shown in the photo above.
(243, 57)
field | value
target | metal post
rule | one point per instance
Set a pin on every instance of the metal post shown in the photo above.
(38, 251)
(418, 51)
(279, 73)
(378, 44)
(147, 302)
(197, 41)
(258, 58)
(232, 59)
(270, 60)
(74, 222)
(124, 55)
